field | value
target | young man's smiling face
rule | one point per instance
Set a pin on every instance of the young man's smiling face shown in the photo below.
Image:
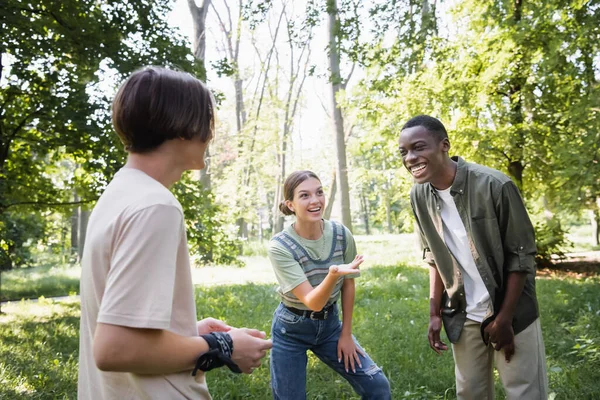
(424, 154)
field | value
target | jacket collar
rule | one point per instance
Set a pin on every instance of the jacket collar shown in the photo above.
(460, 179)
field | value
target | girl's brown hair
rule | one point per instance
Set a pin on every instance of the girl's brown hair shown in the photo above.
(291, 183)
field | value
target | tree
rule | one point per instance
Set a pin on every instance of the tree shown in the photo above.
(57, 61)
(516, 86)
(336, 83)
(298, 38)
(199, 14)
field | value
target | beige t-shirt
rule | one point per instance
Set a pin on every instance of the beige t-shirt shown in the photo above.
(136, 273)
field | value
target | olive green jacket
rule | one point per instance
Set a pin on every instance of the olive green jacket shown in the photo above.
(501, 240)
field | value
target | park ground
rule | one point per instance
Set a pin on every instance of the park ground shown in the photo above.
(39, 347)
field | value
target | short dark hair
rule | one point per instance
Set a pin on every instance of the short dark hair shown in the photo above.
(291, 183)
(156, 104)
(433, 125)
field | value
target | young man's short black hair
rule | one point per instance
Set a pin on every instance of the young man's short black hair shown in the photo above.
(433, 125)
(157, 104)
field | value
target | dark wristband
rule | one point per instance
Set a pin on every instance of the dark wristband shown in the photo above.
(220, 349)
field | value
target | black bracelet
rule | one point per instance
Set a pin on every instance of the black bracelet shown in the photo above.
(220, 349)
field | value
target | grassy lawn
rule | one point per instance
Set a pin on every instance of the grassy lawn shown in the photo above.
(38, 351)
(62, 280)
(48, 281)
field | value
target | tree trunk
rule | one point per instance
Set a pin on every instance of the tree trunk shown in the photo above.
(340, 144)
(388, 215)
(365, 212)
(291, 106)
(516, 83)
(1, 312)
(277, 215)
(75, 226)
(331, 199)
(84, 217)
(199, 22)
(595, 221)
(242, 228)
(199, 48)
(205, 180)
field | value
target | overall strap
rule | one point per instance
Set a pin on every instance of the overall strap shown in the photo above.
(339, 235)
(336, 251)
(292, 246)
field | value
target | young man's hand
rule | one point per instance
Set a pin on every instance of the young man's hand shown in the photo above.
(249, 346)
(502, 336)
(208, 325)
(433, 334)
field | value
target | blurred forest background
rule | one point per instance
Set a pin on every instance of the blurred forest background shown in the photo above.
(324, 85)
(318, 84)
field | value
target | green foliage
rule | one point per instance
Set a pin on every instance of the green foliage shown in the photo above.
(20, 232)
(57, 56)
(551, 239)
(254, 248)
(381, 182)
(210, 237)
(60, 62)
(516, 84)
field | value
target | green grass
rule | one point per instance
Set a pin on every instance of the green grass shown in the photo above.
(38, 351)
(48, 281)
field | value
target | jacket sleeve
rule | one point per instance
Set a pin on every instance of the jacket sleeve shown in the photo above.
(516, 230)
(427, 254)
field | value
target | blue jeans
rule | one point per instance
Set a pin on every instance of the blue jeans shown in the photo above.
(293, 335)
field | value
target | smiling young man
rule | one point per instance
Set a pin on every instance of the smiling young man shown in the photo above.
(139, 338)
(479, 243)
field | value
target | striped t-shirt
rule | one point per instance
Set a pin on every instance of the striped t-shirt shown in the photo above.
(296, 259)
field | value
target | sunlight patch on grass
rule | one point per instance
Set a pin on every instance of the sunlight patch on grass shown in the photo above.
(40, 281)
(41, 310)
(389, 250)
(39, 349)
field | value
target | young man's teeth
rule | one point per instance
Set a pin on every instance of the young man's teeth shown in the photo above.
(417, 168)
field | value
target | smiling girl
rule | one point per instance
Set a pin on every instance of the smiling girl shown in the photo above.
(315, 262)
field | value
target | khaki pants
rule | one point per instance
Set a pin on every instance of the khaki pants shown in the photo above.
(524, 378)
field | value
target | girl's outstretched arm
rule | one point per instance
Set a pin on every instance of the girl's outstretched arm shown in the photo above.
(316, 297)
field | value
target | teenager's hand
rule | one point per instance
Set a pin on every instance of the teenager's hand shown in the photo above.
(208, 325)
(349, 351)
(435, 327)
(347, 269)
(249, 346)
(502, 336)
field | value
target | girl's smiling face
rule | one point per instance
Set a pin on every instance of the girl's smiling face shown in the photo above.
(309, 201)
